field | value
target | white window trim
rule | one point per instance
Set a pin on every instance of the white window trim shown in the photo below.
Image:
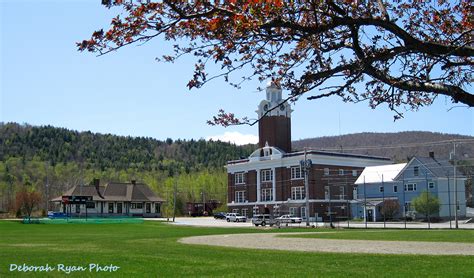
(303, 212)
(326, 171)
(395, 189)
(264, 175)
(298, 193)
(292, 211)
(296, 173)
(266, 195)
(239, 178)
(354, 173)
(240, 196)
(341, 172)
(413, 187)
(431, 185)
(342, 192)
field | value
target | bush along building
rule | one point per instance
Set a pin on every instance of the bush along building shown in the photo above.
(113, 199)
(272, 179)
(399, 185)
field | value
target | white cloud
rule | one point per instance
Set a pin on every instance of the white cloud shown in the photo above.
(235, 137)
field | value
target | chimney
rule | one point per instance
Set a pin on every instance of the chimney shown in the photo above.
(134, 182)
(432, 155)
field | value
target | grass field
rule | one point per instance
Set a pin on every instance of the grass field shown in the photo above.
(398, 235)
(151, 250)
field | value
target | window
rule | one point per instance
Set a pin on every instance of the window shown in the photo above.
(341, 172)
(78, 208)
(354, 173)
(296, 173)
(266, 175)
(267, 194)
(326, 192)
(245, 212)
(136, 206)
(341, 192)
(409, 187)
(326, 171)
(293, 211)
(239, 178)
(298, 193)
(416, 171)
(239, 196)
(157, 207)
(119, 207)
(303, 212)
(255, 210)
(235, 210)
(111, 207)
(148, 208)
(431, 185)
(395, 188)
(381, 189)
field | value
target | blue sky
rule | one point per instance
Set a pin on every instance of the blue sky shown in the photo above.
(46, 81)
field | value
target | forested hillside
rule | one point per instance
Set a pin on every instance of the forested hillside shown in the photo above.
(103, 151)
(50, 160)
(399, 146)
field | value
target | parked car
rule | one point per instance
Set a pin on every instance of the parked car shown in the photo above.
(235, 217)
(287, 218)
(263, 219)
(219, 215)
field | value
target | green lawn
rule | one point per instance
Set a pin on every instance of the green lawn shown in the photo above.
(397, 235)
(151, 250)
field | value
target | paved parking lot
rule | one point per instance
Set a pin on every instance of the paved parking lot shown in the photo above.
(211, 222)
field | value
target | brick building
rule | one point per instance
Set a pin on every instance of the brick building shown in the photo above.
(271, 179)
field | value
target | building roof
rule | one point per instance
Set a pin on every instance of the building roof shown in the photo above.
(115, 191)
(394, 172)
(337, 154)
(439, 168)
(377, 174)
(282, 154)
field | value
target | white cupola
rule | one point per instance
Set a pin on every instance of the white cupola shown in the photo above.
(273, 99)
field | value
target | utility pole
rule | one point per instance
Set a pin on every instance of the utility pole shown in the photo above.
(47, 188)
(174, 200)
(455, 188)
(306, 166)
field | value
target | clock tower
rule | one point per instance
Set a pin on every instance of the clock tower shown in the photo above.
(274, 126)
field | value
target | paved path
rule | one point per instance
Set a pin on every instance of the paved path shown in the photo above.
(269, 241)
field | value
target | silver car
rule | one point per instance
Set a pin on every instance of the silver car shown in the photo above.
(235, 217)
(287, 218)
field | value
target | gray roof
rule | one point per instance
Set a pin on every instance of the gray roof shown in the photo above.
(115, 191)
(439, 168)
